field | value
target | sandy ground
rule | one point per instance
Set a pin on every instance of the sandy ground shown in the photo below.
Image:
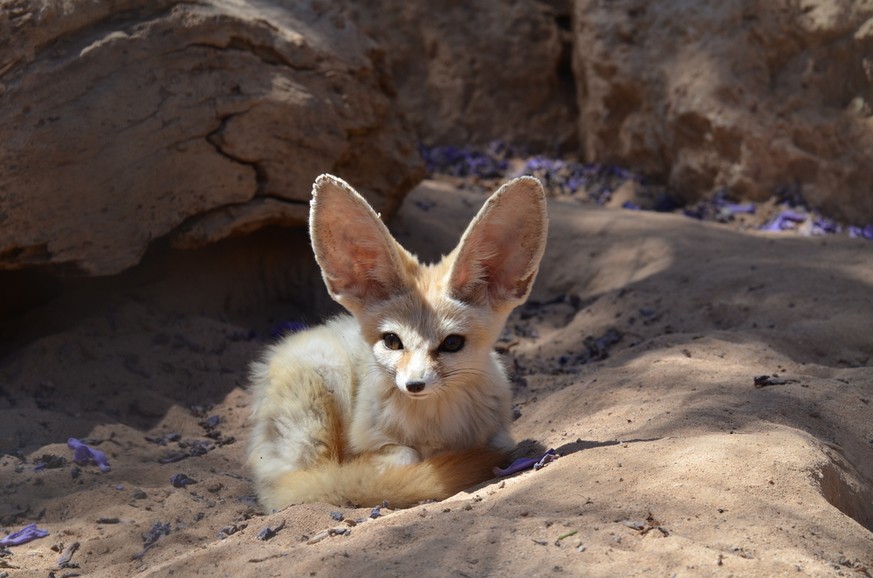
(635, 359)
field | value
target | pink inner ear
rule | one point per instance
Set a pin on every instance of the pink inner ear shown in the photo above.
(357, 255)
(358, 266)
(499, 256)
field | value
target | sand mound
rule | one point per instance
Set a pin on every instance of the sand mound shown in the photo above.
(636, 360)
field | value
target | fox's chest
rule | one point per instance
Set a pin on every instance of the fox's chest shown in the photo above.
(433, 429)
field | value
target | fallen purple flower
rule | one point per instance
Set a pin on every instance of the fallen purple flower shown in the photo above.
(575, 182)
(622, 173)
(193, 449)
(22, 536)
(785, 220)
(824, 226)
(462, 162)
(181, 480)
(157, 530)
(598, 348)
(543, 164)
(211, 422)
(862, 232)
(199, 447)
(522, 464)
(165, 438)
(547, 458)
(151, 537)
(518, 465)
(630, 205)
(268, 533)
(84, 454)
(739, 208)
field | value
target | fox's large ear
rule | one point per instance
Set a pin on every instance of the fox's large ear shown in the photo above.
(498, 257)
(359, 259)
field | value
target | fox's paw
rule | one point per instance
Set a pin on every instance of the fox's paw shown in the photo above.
(395, 456)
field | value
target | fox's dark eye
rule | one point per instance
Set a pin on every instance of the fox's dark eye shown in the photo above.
(391, 341)
(452, 343)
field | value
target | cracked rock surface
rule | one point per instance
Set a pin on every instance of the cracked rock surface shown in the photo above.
(129, 121)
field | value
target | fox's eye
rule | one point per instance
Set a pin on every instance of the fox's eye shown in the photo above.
(452, 343)
(391, 341)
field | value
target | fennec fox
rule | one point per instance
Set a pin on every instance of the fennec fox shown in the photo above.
(404, 400)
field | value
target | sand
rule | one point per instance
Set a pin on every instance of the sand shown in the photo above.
(636, 360)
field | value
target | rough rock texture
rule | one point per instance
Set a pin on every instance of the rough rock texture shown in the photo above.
(744, 94)
(127, 121)
(471, 72)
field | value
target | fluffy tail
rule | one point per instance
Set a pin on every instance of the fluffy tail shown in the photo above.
(360, 483)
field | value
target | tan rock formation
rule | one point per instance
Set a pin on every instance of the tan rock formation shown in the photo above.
(744, 94)
(128, 121)
(467, 73)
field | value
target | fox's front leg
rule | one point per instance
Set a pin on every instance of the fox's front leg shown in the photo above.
(395, 455)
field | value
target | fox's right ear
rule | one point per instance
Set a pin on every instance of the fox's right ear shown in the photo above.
(499, 255)
(359, 259)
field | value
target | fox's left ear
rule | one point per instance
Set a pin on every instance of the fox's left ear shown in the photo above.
(499, 255)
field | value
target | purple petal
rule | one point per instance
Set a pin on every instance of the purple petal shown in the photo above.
(181, 480)
(518, 465)
(824, 226)
(522, 464)
(793, 216)
(84, 454)
(154, 534)
(862, 232)
(785, 220)
(547, 458)
(211, 422)
(735, 209)
(26, 534)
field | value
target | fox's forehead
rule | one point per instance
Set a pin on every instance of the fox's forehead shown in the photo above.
(427, 309)
(429, 316)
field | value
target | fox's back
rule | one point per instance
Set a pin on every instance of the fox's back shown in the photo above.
(303, 390)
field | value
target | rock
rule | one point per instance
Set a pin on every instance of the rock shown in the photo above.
(751, 96)
(128, 121)
(466, 74)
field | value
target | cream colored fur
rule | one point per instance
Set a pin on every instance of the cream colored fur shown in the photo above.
(341, 413)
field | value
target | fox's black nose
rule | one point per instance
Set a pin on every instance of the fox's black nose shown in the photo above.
(414, 386)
